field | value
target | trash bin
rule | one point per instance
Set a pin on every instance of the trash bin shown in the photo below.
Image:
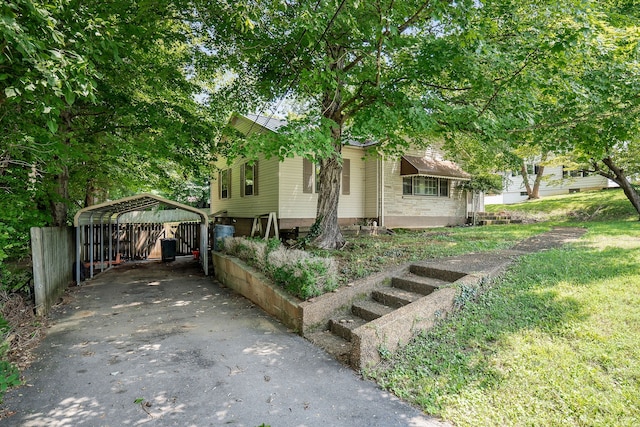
(168, 249)
(220, 232)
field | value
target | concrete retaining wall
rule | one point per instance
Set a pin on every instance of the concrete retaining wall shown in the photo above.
(52, 250)
(256, 287)
(398, 327)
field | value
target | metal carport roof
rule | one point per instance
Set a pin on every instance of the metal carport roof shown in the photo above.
(110, 212)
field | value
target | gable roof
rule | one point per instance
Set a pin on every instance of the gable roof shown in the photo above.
(253, 123)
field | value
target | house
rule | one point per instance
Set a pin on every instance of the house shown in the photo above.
(556, 179)
(419, 189)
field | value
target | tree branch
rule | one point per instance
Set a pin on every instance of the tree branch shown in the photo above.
(501, 86)
(400, 28)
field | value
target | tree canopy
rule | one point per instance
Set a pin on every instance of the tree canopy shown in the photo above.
(108, 98)
(98, 99)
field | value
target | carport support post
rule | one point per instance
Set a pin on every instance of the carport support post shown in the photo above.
(78, 253)
(91, 245)
(101, 243)
(117, 235)
(110, 242)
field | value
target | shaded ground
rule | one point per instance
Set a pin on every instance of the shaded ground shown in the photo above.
(161, 344)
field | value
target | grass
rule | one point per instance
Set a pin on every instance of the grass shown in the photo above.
(601, 205)
(553, 342)
(366, 255)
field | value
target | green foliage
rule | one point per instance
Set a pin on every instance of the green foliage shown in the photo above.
(558, 320)
(15, 280)
(366, 254)
(9, 376)
(9, 373)
(98, 100)
(604, 205)
(485, 183)
(300, 273)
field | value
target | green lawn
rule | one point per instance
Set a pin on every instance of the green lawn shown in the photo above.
(555, 342)
(365, 255)
(589, 205)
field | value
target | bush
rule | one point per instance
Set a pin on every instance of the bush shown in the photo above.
(9, 373)
(297, 271)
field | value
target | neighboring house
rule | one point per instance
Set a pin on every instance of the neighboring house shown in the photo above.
(420, 189)
(555, 180)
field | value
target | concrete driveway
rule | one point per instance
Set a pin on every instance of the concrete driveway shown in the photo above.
(161, 344)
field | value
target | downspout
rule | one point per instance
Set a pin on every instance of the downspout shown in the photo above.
(204, 246)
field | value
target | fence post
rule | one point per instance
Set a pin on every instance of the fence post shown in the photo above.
(39, 276)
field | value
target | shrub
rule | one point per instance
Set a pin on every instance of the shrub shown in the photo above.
(297, 271)
(9, 373)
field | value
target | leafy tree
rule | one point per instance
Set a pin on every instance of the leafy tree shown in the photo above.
(577, 97)
(97, 99)
(372, 70)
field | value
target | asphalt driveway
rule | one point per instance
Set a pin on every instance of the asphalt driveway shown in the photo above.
(161, 344)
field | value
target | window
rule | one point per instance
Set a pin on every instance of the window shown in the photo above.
(316, 169)
(224, 184)
(249, 179)
(425, 186)
(532, 169)
(566, 173)
(346, 176)
(311, 176)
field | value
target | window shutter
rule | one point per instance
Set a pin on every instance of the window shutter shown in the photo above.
(220, 185)
(255, 178)
(229, 184)
(346, 177)
(307, 176)
(242, 183)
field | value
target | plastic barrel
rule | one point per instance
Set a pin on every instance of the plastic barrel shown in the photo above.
(168, 249)
(220, 232)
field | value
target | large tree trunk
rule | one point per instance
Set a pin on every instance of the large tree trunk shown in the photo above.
(93, 195)
(535, 191)
(330, 236)
(525, 179)
(620, 178)
(59, 198)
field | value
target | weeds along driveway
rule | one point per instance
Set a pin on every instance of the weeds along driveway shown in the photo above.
(162, 344)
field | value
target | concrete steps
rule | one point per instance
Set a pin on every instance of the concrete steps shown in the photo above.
(349, 330)
(486, 218)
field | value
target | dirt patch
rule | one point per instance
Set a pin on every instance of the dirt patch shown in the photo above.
(553, 239)
(26, 330)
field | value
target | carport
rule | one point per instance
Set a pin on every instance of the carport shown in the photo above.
(109, 215)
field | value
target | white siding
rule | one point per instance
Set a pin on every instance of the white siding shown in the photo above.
(248, 206)
(294, 203)
(372, 187)
(552, 184)
(352, 205)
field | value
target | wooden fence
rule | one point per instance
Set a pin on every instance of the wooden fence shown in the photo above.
(138, 241)
(53, 250)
